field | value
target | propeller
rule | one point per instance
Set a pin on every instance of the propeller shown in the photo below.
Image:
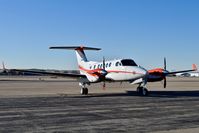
(103, 65)
(165, 82)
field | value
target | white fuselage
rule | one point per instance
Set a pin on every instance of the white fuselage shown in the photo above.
(117, 70)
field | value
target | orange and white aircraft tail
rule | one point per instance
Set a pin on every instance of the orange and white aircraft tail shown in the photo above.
(81, 56)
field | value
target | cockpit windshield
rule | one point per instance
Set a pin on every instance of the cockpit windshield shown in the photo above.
(128, 62)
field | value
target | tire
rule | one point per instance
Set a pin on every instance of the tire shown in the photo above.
(142, 91)
(84, 91)
(138, 90)
(145, 92)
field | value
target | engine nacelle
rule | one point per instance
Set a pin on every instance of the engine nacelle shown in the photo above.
(93, 78)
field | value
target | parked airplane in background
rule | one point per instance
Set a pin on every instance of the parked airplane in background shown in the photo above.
(3, 70)
(188, 74)
(121, 70)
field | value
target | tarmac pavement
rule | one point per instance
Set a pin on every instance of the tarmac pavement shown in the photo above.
(56, 106)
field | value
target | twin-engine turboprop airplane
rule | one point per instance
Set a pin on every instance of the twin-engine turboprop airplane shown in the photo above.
(121, 70)
(93, 72)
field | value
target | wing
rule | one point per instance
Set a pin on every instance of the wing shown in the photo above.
(59, 74)
(184, 71)
(194, 68)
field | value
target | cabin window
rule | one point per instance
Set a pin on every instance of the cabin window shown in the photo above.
(128, 62)
(106, 65)
(94, 66)
(110, 64)
(99, 66)
(117, 64)
(90, 67)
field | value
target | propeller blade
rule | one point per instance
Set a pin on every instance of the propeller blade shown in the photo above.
(104, 68)
(103, 63)
(165, 82)
(104, 85)
(165, 64)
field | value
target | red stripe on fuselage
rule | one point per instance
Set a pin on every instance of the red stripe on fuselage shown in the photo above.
(109, 71)
(90, 72)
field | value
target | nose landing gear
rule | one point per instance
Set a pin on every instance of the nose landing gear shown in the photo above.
(142, 91)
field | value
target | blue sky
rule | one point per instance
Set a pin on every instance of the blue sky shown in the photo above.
(145, 30)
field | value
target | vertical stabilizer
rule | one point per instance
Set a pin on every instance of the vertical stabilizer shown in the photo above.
(4, 68)
(81, 57)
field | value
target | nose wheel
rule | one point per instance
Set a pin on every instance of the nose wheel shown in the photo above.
(142, 91)
(84, 91)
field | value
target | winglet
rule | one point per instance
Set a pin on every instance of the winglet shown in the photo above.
(194, 67)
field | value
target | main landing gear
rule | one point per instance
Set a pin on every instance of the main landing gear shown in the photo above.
(142, 91)
(84, 91)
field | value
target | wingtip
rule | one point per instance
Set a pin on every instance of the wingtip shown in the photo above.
(194, 67)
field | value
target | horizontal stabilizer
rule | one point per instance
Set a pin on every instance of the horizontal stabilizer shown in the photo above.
(75, 48)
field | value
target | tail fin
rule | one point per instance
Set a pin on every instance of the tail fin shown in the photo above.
(4, 68)
(194, 67)
(3, 65)
(79, 52)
